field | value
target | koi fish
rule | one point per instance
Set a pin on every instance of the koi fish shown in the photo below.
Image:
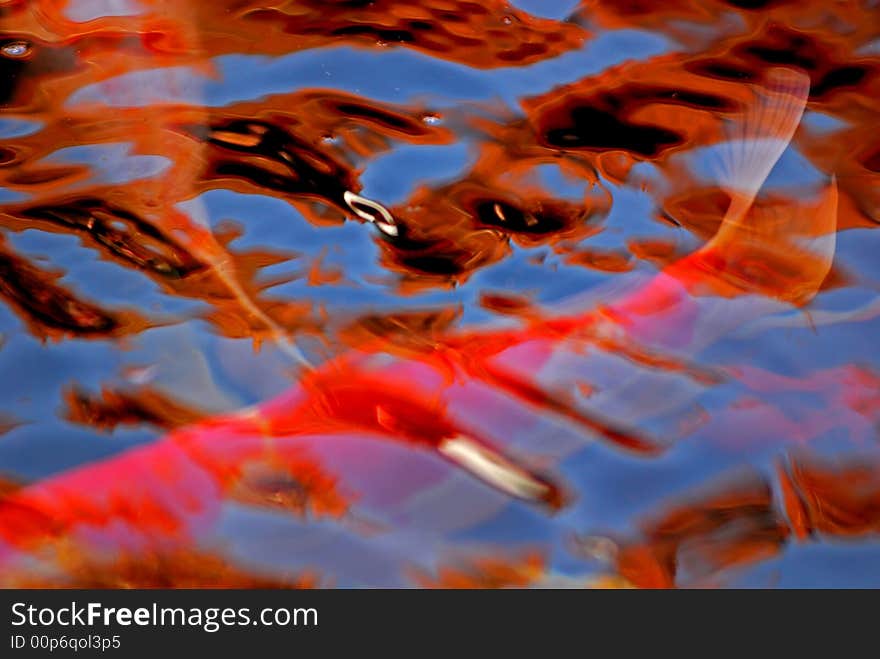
(374, 442)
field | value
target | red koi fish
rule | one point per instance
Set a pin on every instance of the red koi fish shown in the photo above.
(436, 439)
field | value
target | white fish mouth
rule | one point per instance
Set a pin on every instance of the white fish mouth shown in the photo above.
(494, 469)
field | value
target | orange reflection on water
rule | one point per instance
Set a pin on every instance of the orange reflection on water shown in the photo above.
(404, 424)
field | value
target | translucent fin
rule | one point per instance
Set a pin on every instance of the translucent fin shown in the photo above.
(179, 367)
(780, 252)
(192, 222)
(756, 143)
(784, 253)
(819, 237)
(816, 319)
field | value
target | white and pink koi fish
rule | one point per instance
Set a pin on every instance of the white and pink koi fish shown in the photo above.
(385, 454)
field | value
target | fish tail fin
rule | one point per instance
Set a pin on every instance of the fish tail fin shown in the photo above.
(758, 140)
(781, 252)
(501, 472)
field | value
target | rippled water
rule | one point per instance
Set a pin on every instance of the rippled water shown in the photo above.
(471, 270)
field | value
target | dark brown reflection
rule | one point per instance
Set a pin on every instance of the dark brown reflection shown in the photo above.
(740, 522)
(51, 310)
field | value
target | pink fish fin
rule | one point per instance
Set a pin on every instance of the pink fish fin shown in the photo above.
(782, 252)
(733, 262)
(400, 487)
(758, 140)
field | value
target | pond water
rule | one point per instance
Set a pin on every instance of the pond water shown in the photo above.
(440, 293)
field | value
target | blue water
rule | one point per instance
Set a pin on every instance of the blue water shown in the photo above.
(614, 490)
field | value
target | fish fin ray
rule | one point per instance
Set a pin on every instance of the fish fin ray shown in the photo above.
(758, 140)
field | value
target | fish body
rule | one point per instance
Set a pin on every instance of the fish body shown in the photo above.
(374, 440)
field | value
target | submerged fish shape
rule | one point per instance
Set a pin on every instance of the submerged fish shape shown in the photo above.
(376, 445)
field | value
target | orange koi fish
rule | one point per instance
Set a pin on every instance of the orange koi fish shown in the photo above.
(437, 438)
